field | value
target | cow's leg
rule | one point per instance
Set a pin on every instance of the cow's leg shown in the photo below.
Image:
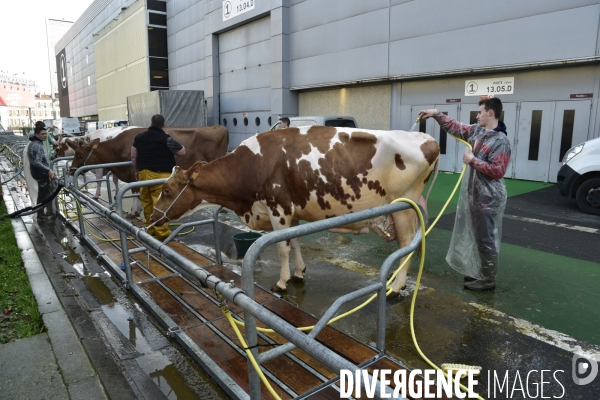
(298, 261)
(116, 182)
(405, 223)
(98, 173)
(136, 205)
(284, 273)
(279, 222)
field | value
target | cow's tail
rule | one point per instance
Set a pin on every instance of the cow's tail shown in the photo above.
(435, 174)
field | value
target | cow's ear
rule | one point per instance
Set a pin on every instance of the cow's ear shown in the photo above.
(72, 144)
(194, 170)
(96, 142)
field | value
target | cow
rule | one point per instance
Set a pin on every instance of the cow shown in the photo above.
(63, 150)
(275, 179)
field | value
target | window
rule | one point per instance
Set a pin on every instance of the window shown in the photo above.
(566, 140)
(443, 137)
(157, 42)
(534, 137)
(423, 125)
(159, 72)
(157, 19)
(10, 112)
(157, 5)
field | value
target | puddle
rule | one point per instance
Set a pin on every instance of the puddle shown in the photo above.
(158, 366)
(98, 289)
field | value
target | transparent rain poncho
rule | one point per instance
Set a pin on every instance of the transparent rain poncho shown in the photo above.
(482, 199)
(463, 253)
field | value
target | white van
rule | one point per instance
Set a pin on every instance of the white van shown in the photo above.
(93, 126)
(70, 125)
(324, 120)
(579, 176)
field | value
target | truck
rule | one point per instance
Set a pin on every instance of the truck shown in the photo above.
(324, 120)
(64, 125)
(179, 107)
(579, 176)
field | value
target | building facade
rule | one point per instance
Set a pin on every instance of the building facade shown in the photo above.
(379, 61)
(55, 29)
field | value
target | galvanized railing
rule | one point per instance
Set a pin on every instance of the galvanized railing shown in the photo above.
(244, 297)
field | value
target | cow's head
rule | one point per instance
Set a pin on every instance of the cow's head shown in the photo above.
(83, 153)
(178, 194)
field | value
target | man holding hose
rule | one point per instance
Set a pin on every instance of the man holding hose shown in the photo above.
(477, 230)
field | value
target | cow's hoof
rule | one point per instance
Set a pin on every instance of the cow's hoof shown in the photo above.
(96, 197)
(296, 279)
(277, 289)
(395, 297)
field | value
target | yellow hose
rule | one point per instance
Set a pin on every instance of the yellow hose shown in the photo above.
(263, 378)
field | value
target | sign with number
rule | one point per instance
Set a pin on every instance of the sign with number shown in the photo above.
(233, 8)
(494, 86)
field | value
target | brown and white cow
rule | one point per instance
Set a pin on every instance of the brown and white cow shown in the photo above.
(63, 150)
(275, 179)
(205, 144)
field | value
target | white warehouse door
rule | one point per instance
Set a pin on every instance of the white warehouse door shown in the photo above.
(245, 80)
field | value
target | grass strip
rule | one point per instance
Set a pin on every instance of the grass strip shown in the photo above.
(19, 314)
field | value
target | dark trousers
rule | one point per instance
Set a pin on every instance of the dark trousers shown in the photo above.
(483, 229)
(43, 194)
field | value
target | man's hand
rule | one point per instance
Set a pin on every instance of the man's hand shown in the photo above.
(424, 114)
(51, 174)
(467, 157)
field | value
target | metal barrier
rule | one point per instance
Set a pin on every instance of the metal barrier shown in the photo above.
(243, 297)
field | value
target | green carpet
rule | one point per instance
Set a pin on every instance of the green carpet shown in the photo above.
(446, 182)
(555, 292)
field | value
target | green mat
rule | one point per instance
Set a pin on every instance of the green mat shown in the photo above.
(446, 181)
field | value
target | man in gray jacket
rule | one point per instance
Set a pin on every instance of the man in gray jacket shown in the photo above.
(40, 169)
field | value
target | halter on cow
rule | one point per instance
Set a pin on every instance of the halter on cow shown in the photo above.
(277, 178)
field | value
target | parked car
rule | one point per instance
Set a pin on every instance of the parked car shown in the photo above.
(579, 176)
(328, 120)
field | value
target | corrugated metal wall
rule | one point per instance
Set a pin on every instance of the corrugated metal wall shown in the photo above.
(369, 105)
(121, 54)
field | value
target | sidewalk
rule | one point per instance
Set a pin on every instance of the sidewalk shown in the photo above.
(53, 364)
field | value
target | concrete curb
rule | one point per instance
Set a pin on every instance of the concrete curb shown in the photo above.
(78, 374)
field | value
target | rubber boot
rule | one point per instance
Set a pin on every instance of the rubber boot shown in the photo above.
(489, 268)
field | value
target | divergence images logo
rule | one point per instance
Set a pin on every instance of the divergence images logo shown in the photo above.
(584, 369)
(63, 72)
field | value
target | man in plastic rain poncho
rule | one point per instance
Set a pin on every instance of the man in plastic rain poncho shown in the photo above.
(477, 231)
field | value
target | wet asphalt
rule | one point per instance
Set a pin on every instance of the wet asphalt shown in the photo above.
(452, 325)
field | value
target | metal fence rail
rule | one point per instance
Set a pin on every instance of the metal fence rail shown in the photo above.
(243, 297)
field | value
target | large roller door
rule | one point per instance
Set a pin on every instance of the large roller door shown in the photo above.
(245, 80)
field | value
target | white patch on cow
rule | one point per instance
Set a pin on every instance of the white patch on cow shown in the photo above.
(252, 144)
(313, 157)
(276, 185)
(199, 207)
